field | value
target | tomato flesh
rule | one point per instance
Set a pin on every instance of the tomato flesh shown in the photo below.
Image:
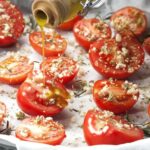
(117, 58)
(63, 69)
(14, 69)
(11, 23)
(130, 18)
(103, 127)
(116, 96)
(41, 130)
(87, 31)
(54, 44)
(37, 96)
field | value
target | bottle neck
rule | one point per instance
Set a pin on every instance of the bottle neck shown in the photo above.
(51, 12)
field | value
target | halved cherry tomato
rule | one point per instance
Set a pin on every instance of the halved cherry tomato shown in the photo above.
(148, 109)
(87, 31)
(119, 57)
(63, 69)
(68, 25)
(146, 45)
(2, 111)
(14, 69)
(55, 45)
(114, 95)
(38, 96)
(11, 23)
(41, 130)
(103, 127)
(130, 18)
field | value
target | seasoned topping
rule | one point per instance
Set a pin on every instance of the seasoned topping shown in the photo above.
(93, 30)
(8, 21)
(129, 18)
(114, 91)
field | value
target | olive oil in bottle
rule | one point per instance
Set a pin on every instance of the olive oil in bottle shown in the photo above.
(54, 12)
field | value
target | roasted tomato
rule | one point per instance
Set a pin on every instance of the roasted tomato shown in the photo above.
(2, 111)
(54, 44)
(146, 45)
(68, 25)
(63, 69)
(87, 31)
(41, 130)
(130, 18)
(103, 127)
(114, 95)
(14, 69)
(38, 96)
(119, 57)
(11, 23)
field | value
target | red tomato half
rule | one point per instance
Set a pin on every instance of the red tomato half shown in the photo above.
(2, 111)
(41, 130)
(130, 18)
(103, 127)
(114, 95)
(63, 69)
(146, 45)
(11, 23)
(117, 58)
(68, 25)
(15, 69)
(38, 96)
(55, 45)
(87, 31)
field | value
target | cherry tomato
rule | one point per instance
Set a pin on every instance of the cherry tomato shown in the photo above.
(38, 96)
(55, 45)
(68, 25)
(2, 111)
(119, 57)
(146, 45)
(14, 69)
(62, 68)
(114, 95)
(149, 109)
(103, 127)
(130, 18)
(11, 23)
(41, 130)
(87, 31)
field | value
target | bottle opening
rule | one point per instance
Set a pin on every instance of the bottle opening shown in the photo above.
(41, 17)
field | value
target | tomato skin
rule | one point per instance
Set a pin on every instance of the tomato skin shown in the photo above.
(117, 106)
(36, 37)
(51, 137)
(102, 62)
(22, 69)
(146, 45)
(64, 64)
(128, 12)
(68, 26)
(82, 39)
(17, 27)
(2, 111)
(112, 135)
